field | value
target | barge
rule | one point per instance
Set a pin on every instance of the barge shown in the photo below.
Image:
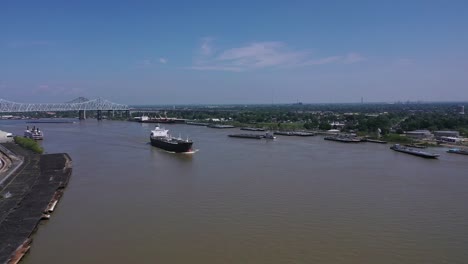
(419, 153)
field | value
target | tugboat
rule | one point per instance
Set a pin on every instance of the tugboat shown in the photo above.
(160, 138)
(269, 135)
(33, 133)
(458, 151)
(399, 148)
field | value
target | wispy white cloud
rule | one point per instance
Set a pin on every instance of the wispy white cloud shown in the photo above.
(149, 62)
(206, 47)
(352, 58)
(144, 63)
(53, 90)
(403, 61)
(260, 55)
(326, 60)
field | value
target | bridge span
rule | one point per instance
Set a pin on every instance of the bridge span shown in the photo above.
(80, 104)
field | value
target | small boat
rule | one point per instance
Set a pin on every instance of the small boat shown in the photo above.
(458, 151)
(419, 153)
(34, 133)
(160, 138)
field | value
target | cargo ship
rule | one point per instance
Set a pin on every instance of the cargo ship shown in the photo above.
(419, 153)
(160, 138)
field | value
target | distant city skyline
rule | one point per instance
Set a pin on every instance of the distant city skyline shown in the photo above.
(209, 52)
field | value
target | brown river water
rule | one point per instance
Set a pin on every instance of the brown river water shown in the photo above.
(292, 200)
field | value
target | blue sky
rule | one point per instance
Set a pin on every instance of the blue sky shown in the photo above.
(184, 52)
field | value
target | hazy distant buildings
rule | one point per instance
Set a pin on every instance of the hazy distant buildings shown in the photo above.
(461, 109)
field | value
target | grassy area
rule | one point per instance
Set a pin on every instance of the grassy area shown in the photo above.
(270, 125)
(397, 138)
(29, 144)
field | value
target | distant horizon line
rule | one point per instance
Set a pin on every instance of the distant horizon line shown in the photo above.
(264, 103)
(303, 103)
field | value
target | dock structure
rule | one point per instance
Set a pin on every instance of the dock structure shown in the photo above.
(28, 194)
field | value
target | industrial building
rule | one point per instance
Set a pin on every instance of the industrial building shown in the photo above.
(419, 134)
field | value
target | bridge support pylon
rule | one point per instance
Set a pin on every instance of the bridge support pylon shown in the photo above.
(99, 115)
(82, 114)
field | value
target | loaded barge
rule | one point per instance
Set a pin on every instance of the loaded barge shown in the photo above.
(294, 133)
(343, 139)
(415, 146)
(253, 136)
(252, 129)
(458, 151)
(419, 153)
(374, 141)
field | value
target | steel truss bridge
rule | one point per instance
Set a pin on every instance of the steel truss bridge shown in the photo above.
(79, 104)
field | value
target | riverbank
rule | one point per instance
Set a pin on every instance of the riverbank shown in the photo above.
(28, 193)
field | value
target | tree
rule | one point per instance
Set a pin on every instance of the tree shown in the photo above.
(324, 126)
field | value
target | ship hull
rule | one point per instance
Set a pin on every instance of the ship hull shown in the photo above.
(172, 145)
